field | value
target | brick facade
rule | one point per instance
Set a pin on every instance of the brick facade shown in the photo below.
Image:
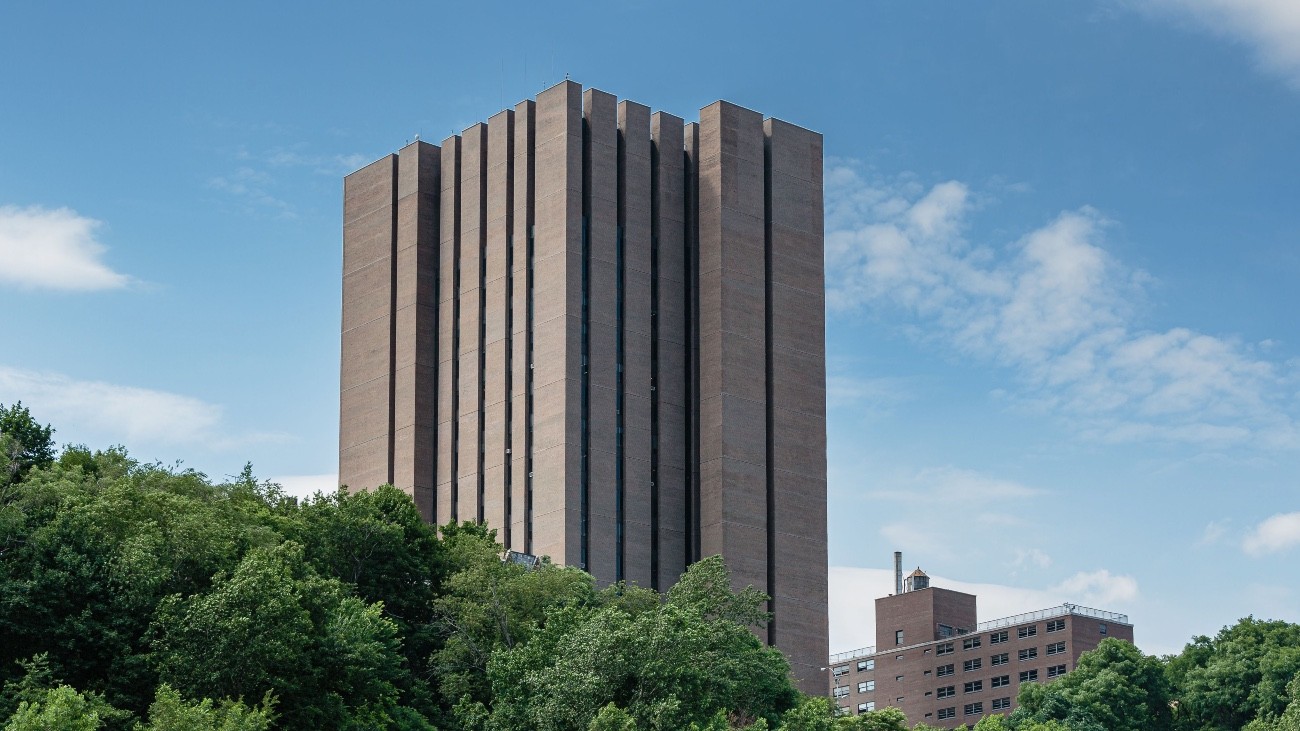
(947, 664)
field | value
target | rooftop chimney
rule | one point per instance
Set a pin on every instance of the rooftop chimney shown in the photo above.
(898, 572)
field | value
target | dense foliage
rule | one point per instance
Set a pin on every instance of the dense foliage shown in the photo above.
(137, 596)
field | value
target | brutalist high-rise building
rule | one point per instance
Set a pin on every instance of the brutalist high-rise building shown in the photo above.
(601, 331)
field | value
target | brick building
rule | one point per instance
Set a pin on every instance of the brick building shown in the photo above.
(936, 663)
(601, 331)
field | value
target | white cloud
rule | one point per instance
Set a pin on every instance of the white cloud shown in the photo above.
(1276, 533)
(1054, 306)
(853, 592)
(951, 486)
(1031, 557)
(101, 414)
(1100, 586)
(43, 248)
(1270, 28)
(1213, 532)
(304, 486)
(866, 393)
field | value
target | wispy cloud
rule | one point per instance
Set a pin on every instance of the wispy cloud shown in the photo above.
(1031, 558)
(873, 394)
(261, 178)
(1270, 28)
(54, 248)
(989, 504)
(253, 186)
(104, 413)
(951, 486)
(1214, 532)
(1056, 307)
(321, 164)
(1275, 534)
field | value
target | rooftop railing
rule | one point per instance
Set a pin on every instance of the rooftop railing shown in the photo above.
(1015, 619)
(861, 651)
(1060, 611)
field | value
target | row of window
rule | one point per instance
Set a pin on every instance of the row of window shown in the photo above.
(970, 709)
(1000, 681)
(970, 643)
(975, 686)
(1002, 658)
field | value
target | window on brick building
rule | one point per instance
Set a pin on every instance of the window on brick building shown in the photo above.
(866, 665)
(1029, 653)
(1056, 648)
(943, 670)
(1029, 631)
(1056, 671)
(1000, 659)
(943, 649)
(973, 686)
(997, 637)
(1001, 704)
(946, 691)
(972, 664)
(970, 643)
(945, 713)
(1056, 625)
(1001, 681)
(898, 637)
(973, 709)
(1027, 676)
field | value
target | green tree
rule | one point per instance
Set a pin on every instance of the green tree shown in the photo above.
(24, 443)
(273, 625)
(376, 542)
(488, 605)
(1112, 688)
(88, 554)
(1224, 683)
(1289, 720)
(171, 712)
(677, 663)
(64, 709)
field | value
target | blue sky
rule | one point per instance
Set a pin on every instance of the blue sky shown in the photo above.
(1062, 244)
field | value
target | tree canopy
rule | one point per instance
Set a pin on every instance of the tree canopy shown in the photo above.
(140, 597)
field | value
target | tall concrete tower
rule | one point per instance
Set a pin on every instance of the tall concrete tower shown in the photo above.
(601, 331)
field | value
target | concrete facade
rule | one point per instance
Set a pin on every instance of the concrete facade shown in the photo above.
(936, 664)
(600, 330)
